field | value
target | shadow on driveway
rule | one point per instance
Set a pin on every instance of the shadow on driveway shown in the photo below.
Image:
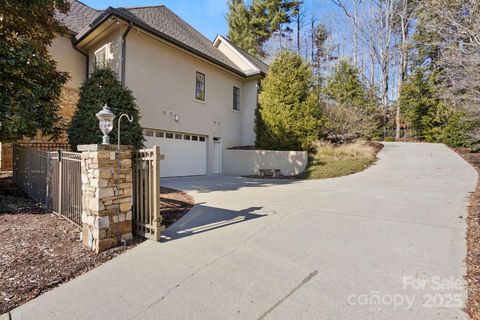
(206, 184)
(204, 218)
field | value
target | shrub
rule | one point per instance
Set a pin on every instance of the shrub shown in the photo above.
(350, 112)
(103, 87)
(288, 116)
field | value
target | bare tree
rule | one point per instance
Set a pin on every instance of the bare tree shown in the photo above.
(458, 24)
(405, 13)
(373, 27)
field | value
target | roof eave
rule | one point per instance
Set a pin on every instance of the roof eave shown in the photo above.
(114, 12)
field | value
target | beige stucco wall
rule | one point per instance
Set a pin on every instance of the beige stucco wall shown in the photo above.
(113, 40)
(248, 162)
(249, 96)
(163, 81)
(68, 59)
(232, 55)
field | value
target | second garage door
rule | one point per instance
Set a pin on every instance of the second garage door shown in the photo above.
(185, 154)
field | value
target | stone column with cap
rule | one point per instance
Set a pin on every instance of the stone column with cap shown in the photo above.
(107, 202)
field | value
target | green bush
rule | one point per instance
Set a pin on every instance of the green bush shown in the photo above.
(103, 87)
(475, 148)
(288, 116)
(350, 112)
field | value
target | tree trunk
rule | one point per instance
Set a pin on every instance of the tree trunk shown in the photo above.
(403, 64)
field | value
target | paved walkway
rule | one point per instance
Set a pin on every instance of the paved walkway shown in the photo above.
(348, 248)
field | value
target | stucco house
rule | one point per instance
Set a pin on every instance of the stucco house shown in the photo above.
(196, 98)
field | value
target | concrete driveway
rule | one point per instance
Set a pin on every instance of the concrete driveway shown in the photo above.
(387, 243)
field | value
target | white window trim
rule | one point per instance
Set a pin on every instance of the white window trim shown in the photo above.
(107, 54)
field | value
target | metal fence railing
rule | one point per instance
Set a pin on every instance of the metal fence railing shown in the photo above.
(51, 178)
(146, 193)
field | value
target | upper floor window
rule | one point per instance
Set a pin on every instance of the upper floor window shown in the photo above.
(200, 86)
(101, 56)
(236, 99)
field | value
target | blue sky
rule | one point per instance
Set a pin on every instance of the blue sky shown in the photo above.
(207, 16)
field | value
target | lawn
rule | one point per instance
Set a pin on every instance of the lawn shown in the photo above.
(329, 160)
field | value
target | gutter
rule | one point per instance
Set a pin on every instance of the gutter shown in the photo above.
(124, 52)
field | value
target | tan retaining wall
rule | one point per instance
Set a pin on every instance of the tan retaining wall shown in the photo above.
(248, 162)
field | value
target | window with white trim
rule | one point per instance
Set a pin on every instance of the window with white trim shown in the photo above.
(101, 56)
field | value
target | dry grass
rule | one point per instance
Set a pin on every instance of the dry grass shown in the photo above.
(329, 160)
(357, 150)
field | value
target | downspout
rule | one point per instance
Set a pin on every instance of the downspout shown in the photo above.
(85, 55)
(124, 52)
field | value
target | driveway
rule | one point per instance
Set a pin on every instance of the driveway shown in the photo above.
(386, 243)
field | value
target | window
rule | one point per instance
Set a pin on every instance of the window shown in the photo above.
(200, 86)
(169, 135)
(178, 136)
(149, 133)
(159, 134)
(202, 139)
(194, 138)
(186, 137)
(236, 99)
(101, 56)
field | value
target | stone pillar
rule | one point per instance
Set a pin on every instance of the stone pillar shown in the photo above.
(107, 210)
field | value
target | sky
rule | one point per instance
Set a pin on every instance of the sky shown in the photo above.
(207, 16)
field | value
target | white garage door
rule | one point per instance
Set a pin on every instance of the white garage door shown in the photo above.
(185, 154)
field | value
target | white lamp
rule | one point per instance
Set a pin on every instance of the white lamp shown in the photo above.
(105, 119)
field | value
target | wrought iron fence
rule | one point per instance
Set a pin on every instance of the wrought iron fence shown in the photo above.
(146, 193)
(51, 178)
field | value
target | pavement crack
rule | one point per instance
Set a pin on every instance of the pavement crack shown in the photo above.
(279, 302)
(245, 242)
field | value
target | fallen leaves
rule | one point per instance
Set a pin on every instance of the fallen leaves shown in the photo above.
(472, 260)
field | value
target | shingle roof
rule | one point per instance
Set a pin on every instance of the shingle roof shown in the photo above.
(262, 66)
(165, 21)
(158, 19)
(79, 17)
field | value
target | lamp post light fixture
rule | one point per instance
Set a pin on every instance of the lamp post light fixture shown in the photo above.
(105, 119)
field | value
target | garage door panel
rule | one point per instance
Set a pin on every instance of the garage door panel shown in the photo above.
(182, 157)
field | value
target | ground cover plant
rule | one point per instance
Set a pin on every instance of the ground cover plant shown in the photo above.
(328, 160)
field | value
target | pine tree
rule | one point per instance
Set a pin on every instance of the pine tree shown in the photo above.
(426, 114)
(345, 86)
(249, 27)
(350, 112)
(288, 116)
(103, 87)
(240, 29)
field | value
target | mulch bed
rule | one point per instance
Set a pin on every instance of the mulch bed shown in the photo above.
(472, 307)
(174, 204)
(39, 250)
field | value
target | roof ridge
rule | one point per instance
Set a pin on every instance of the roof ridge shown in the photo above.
(145, 7)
